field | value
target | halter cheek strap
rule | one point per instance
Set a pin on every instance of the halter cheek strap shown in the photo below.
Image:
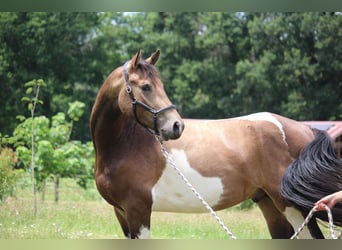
(136, 102)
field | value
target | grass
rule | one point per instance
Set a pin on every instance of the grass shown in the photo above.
(82, 214)
(243, 224)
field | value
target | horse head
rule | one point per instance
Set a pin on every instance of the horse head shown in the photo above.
(144, 98)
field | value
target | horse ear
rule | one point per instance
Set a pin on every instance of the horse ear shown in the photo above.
(135, 59)
(154, 57)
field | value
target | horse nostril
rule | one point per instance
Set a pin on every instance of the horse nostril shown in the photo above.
(177, 128)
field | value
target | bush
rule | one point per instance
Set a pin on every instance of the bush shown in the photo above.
(247, 204)
(8, 175)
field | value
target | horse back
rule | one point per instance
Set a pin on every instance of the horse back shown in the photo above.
(298, 135)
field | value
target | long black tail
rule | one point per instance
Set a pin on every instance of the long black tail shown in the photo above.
(316, 173)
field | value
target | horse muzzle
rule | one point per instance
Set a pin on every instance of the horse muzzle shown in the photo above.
(171, 130)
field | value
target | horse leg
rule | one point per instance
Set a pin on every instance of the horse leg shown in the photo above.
(139, 222)
(296, 218)
(283, 224)
(135, 221)
(277, 223)
(314, 229)
(123, 222)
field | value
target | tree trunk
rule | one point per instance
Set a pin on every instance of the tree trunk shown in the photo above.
(34, 192)
(56, 181)
(43, 189)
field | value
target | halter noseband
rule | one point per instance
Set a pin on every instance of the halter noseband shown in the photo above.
(136, 102)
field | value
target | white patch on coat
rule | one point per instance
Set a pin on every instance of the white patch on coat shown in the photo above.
(171, 194)
(265, 116)
(144, 233)
(296, 219)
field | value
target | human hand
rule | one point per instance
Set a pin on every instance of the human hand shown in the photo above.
(329, 200)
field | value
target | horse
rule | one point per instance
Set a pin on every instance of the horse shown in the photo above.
(226, 160)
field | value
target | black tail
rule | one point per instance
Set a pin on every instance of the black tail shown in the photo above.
(316, 173)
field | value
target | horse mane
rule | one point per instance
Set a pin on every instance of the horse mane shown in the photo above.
(317, 172)
(147, 70)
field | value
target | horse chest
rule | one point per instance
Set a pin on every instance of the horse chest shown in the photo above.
(171, 194)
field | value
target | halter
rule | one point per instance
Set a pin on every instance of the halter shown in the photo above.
(136, 102)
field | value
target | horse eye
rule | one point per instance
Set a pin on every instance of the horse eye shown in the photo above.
(146, 87)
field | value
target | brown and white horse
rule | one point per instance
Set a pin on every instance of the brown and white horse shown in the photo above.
(227, 161)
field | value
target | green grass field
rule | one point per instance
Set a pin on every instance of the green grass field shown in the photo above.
(82, 214)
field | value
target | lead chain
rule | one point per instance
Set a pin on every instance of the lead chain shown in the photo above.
(308, 217)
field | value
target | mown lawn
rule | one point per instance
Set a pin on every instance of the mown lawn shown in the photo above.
(82, 214)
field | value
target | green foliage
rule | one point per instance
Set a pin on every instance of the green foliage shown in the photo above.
(44, 147)
(227, 64)
(213, 65)
(300, 84)
(59, 130)
(8, 175)
(247, 205)
(22, 133)
(53, 46)
(56, 154)
(33, 87)
(76, 110)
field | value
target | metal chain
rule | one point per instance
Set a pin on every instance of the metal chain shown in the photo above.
(179, 172)
(308, 217)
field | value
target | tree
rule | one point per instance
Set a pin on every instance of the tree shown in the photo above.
(55, 47)
(286, 69)
(56, 155)
(33, 87)
(214, 65)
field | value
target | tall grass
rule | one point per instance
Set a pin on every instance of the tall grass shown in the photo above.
(82, 214)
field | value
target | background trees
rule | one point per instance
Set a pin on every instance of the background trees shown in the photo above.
(56, 156)
(214, 65)
(50, 46)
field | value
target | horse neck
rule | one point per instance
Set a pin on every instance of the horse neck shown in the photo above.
(107, 120)
(110, 128)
